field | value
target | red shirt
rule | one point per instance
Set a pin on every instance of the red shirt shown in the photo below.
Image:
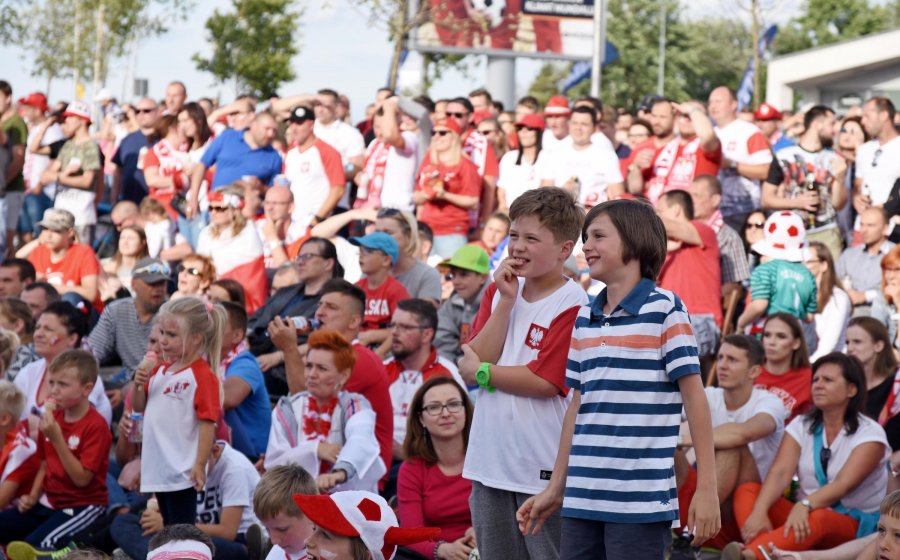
(89, 439)
(693, 273)
(674, 165)
(794, 388)
(429, 498)
(369, 379)
(463, 179)
(19, 461)
(79, 261)
(381, 302)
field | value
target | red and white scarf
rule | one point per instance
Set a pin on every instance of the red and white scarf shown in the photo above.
(317, 424)
(892, 404)
(376, 163)
(716, 222)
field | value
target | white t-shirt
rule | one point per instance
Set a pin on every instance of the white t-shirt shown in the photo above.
(879, 178)
(516, 179)
(29, 381)
(230, 483)
(348, 256)
(160, 235)
(228, 252)
(514, 440)
(35, 164)
(831, 324)
(868, 495)
(278, 553)
(550, 141)
(404, 388)
(400, 174)
(742, 142)
(294, 232)
(595, 166)
(761, 402)
(347, 140)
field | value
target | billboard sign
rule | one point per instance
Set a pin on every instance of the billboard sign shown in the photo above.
(537, 28)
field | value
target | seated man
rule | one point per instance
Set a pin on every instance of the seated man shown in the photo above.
(748, 424)
(38, 295)
(224, 510)
(15, 274)
(469, 270)
(247, 409)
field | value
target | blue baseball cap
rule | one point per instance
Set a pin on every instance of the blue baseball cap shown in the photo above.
(379, 241)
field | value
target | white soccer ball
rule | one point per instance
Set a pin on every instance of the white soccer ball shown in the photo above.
(493, 10)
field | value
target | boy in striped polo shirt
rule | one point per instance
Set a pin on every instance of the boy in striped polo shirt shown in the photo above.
(632, 363)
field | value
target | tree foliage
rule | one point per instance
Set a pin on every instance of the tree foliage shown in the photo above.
(824, 22)
(253, 45)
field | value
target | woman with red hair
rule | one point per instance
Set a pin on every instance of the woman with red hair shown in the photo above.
(326, 430)
(884, 308)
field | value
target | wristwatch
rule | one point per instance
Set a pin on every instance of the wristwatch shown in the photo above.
(805, 503)
(483, 377)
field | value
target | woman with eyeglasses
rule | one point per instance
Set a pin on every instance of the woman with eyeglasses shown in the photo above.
(833, 302)
(447, 188)
(234, 245)
(840, 457)
(520, 169)
(325, 429)
(887, 302)
(116, 275)
(195, 274)
(751, 233)
(431, 490)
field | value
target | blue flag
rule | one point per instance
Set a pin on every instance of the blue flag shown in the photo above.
(581, 70)
(745, 91)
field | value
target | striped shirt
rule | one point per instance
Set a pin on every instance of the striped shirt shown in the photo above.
(626, 366)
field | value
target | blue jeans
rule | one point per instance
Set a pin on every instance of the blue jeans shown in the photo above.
(127, 533)
(584, 539)
(33, 211)
(446, 245)
(190, 229)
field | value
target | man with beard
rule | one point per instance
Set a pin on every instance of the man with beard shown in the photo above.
(124, 326)
(809, 179)
(415, 360)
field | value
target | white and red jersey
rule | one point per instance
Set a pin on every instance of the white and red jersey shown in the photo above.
(675, 165)
(405, 382)
(347, 140)
(176, 402)
(239, 257)
(516, 179)
(18, 459)
(742, 142)
(480, 151)
(171, 163)
(595, 166)
(538, 337)
(391, 173)
(294, 232)
(313, 172)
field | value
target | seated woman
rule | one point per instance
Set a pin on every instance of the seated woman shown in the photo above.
(234, 246)
(430, 488)
(16, 316)
(885, 306)
(833, 303)
(786, 371)
(868, 342)
(327, 431)
(840, 457)
(116, 275)
(195, 274)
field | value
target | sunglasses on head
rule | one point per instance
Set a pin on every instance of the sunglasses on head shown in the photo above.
(154, 268)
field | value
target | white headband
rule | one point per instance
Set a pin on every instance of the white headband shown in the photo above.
(181, 550)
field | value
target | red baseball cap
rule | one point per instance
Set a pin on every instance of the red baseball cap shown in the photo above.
(557, 106)
(448, 123)
(532, 121)
(37, 100)
(766, 112)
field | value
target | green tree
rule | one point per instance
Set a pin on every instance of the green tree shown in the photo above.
(824, 22)
(253, 45)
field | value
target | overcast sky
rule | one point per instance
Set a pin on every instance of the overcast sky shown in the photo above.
(338, 49)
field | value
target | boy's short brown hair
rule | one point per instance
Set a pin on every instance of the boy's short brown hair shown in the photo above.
(642, 233)
(81, 361)
(890, 505)
(555, 210)
(275, 492)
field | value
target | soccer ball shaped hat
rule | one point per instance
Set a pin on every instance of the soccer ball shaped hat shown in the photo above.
(784, 238)
(364, 515)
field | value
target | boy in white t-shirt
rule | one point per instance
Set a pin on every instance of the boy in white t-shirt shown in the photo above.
(748, 424)
(518, 356)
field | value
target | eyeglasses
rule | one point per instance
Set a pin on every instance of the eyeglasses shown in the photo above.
(824, 457)
(457, 115)
(441, 132)
(303, 257)
(193, 271)
(758, 225)
(144, 110)
(155, 268)
(435, 409)
(407, 328)
(875, 159)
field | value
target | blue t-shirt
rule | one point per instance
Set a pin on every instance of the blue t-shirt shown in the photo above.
(249, 421)
(234, 158)
(134, 186)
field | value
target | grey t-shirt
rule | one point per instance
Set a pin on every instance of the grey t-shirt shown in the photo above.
(421, 281)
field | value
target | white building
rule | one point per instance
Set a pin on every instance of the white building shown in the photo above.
(837, 75)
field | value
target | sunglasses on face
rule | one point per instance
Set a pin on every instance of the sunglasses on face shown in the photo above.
(758, 225)
(441, 132)
(457, 115)
(193, 271)
(144, 110)
(489, 131)
(218, 208)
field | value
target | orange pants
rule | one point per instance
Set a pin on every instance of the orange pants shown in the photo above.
(828, 528)
(729, 531)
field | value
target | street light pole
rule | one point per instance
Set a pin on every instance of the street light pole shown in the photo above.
(598, 53)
